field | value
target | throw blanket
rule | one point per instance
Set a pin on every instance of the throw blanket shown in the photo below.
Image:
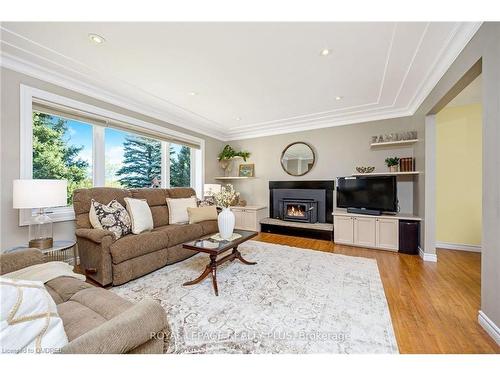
(44, 272)
(29, 322)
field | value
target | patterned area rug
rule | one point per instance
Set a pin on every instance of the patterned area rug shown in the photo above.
(292, 301)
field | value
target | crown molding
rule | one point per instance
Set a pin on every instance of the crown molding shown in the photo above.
(444, 59)
(168, 112)
(448, 54)
(37, 71)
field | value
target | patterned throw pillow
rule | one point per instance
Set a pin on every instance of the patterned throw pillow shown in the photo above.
(113, 217)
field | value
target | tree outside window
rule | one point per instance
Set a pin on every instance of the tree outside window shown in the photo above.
(62, 149)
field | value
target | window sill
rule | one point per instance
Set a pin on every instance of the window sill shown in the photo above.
(58, 214)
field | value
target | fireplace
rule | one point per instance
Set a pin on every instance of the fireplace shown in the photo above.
(302, 210)
(301, 201)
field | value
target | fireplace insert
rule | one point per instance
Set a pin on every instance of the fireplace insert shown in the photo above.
(302, 210)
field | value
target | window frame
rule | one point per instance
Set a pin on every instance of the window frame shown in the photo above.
(28, 95)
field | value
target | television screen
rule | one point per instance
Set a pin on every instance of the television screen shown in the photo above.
(373, 193)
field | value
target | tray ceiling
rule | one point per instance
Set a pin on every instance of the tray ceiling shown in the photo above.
(241, 80)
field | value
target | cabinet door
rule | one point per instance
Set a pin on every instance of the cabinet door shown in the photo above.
(364, 231)
(249, 220)
(238, 219)
(387, 231)
(343, 229)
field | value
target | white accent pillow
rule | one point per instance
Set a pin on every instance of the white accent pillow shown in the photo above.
(177, 209)
(29, 322)
(94, 220)
(140, 215)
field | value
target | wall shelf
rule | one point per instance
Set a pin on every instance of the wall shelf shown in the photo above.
(388, 174)
(232, 178)
(395, 143)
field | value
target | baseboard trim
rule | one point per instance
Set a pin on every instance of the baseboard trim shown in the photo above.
(458, 246)
(427, 257)
(488, 325)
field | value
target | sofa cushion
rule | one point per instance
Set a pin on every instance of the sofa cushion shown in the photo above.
(63, 288)
(179, 233)
(183, 192)
(89, 309)
(209, 226)
(154, 197)
(160, 215)
(78, 319)
(135, 245)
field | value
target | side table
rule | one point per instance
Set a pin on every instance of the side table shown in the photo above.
(62, 250)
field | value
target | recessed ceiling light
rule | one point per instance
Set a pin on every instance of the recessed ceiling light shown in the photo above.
(237, 118)
(325, 52)
(339, 97)
(97, 39)
(193, 93)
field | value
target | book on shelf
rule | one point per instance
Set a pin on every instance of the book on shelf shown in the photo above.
(407, 164)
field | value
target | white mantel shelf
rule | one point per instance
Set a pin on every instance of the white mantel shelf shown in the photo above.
(232, 178)
(408, 142)
(412, 173)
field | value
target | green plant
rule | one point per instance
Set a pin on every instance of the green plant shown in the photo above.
(392, 161)
(228, 153)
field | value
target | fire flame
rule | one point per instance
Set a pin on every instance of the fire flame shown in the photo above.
(295, 211)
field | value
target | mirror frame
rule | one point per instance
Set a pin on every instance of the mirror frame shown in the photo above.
(298, 143)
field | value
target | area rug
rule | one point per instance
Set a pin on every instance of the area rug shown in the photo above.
(292, 301)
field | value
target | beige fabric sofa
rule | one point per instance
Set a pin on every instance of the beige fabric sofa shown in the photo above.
(95, 319)
(110, 261)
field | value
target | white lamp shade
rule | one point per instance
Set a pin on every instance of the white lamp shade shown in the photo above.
(39, 193)
(210, 189)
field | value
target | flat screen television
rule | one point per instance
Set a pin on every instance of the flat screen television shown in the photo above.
(368, 193)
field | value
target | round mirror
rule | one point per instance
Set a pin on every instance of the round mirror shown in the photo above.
(297, 159)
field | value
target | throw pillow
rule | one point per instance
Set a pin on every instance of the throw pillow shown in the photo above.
(198, 214)
(140, 215)
(113, 217)
(94, 220)
(28, 318)
(177, 209)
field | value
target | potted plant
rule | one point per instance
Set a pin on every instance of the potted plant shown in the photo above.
(227, 155)
(393, 164)
(225, 220)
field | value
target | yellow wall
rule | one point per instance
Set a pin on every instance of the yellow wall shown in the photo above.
(459, 175)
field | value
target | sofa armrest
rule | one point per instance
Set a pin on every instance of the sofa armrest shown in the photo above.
(124, 332)
(10, 262)
(94, 235)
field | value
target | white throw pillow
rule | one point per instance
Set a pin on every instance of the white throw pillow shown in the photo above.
(94, 220)
(140, 215)
(29, 322)
(177, 209)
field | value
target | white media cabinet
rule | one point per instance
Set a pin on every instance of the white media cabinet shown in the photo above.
(377, 232)
(248, 217)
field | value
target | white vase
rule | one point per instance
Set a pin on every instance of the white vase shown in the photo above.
(225, 220)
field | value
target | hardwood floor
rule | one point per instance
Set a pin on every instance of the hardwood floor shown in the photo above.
(433, 306)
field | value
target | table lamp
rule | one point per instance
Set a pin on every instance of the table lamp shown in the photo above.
(41, 194)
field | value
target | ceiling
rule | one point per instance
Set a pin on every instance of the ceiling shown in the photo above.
(472, 94)
(242, 80)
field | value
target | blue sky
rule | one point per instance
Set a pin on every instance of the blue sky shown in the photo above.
(80, 134)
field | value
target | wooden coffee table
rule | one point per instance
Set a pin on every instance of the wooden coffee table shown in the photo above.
(215, 248)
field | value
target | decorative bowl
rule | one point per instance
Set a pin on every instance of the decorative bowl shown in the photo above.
(365, 169)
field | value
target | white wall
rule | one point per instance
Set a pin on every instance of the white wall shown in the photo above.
(338, 151)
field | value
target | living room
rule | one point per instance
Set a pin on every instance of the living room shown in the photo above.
(250, 187)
